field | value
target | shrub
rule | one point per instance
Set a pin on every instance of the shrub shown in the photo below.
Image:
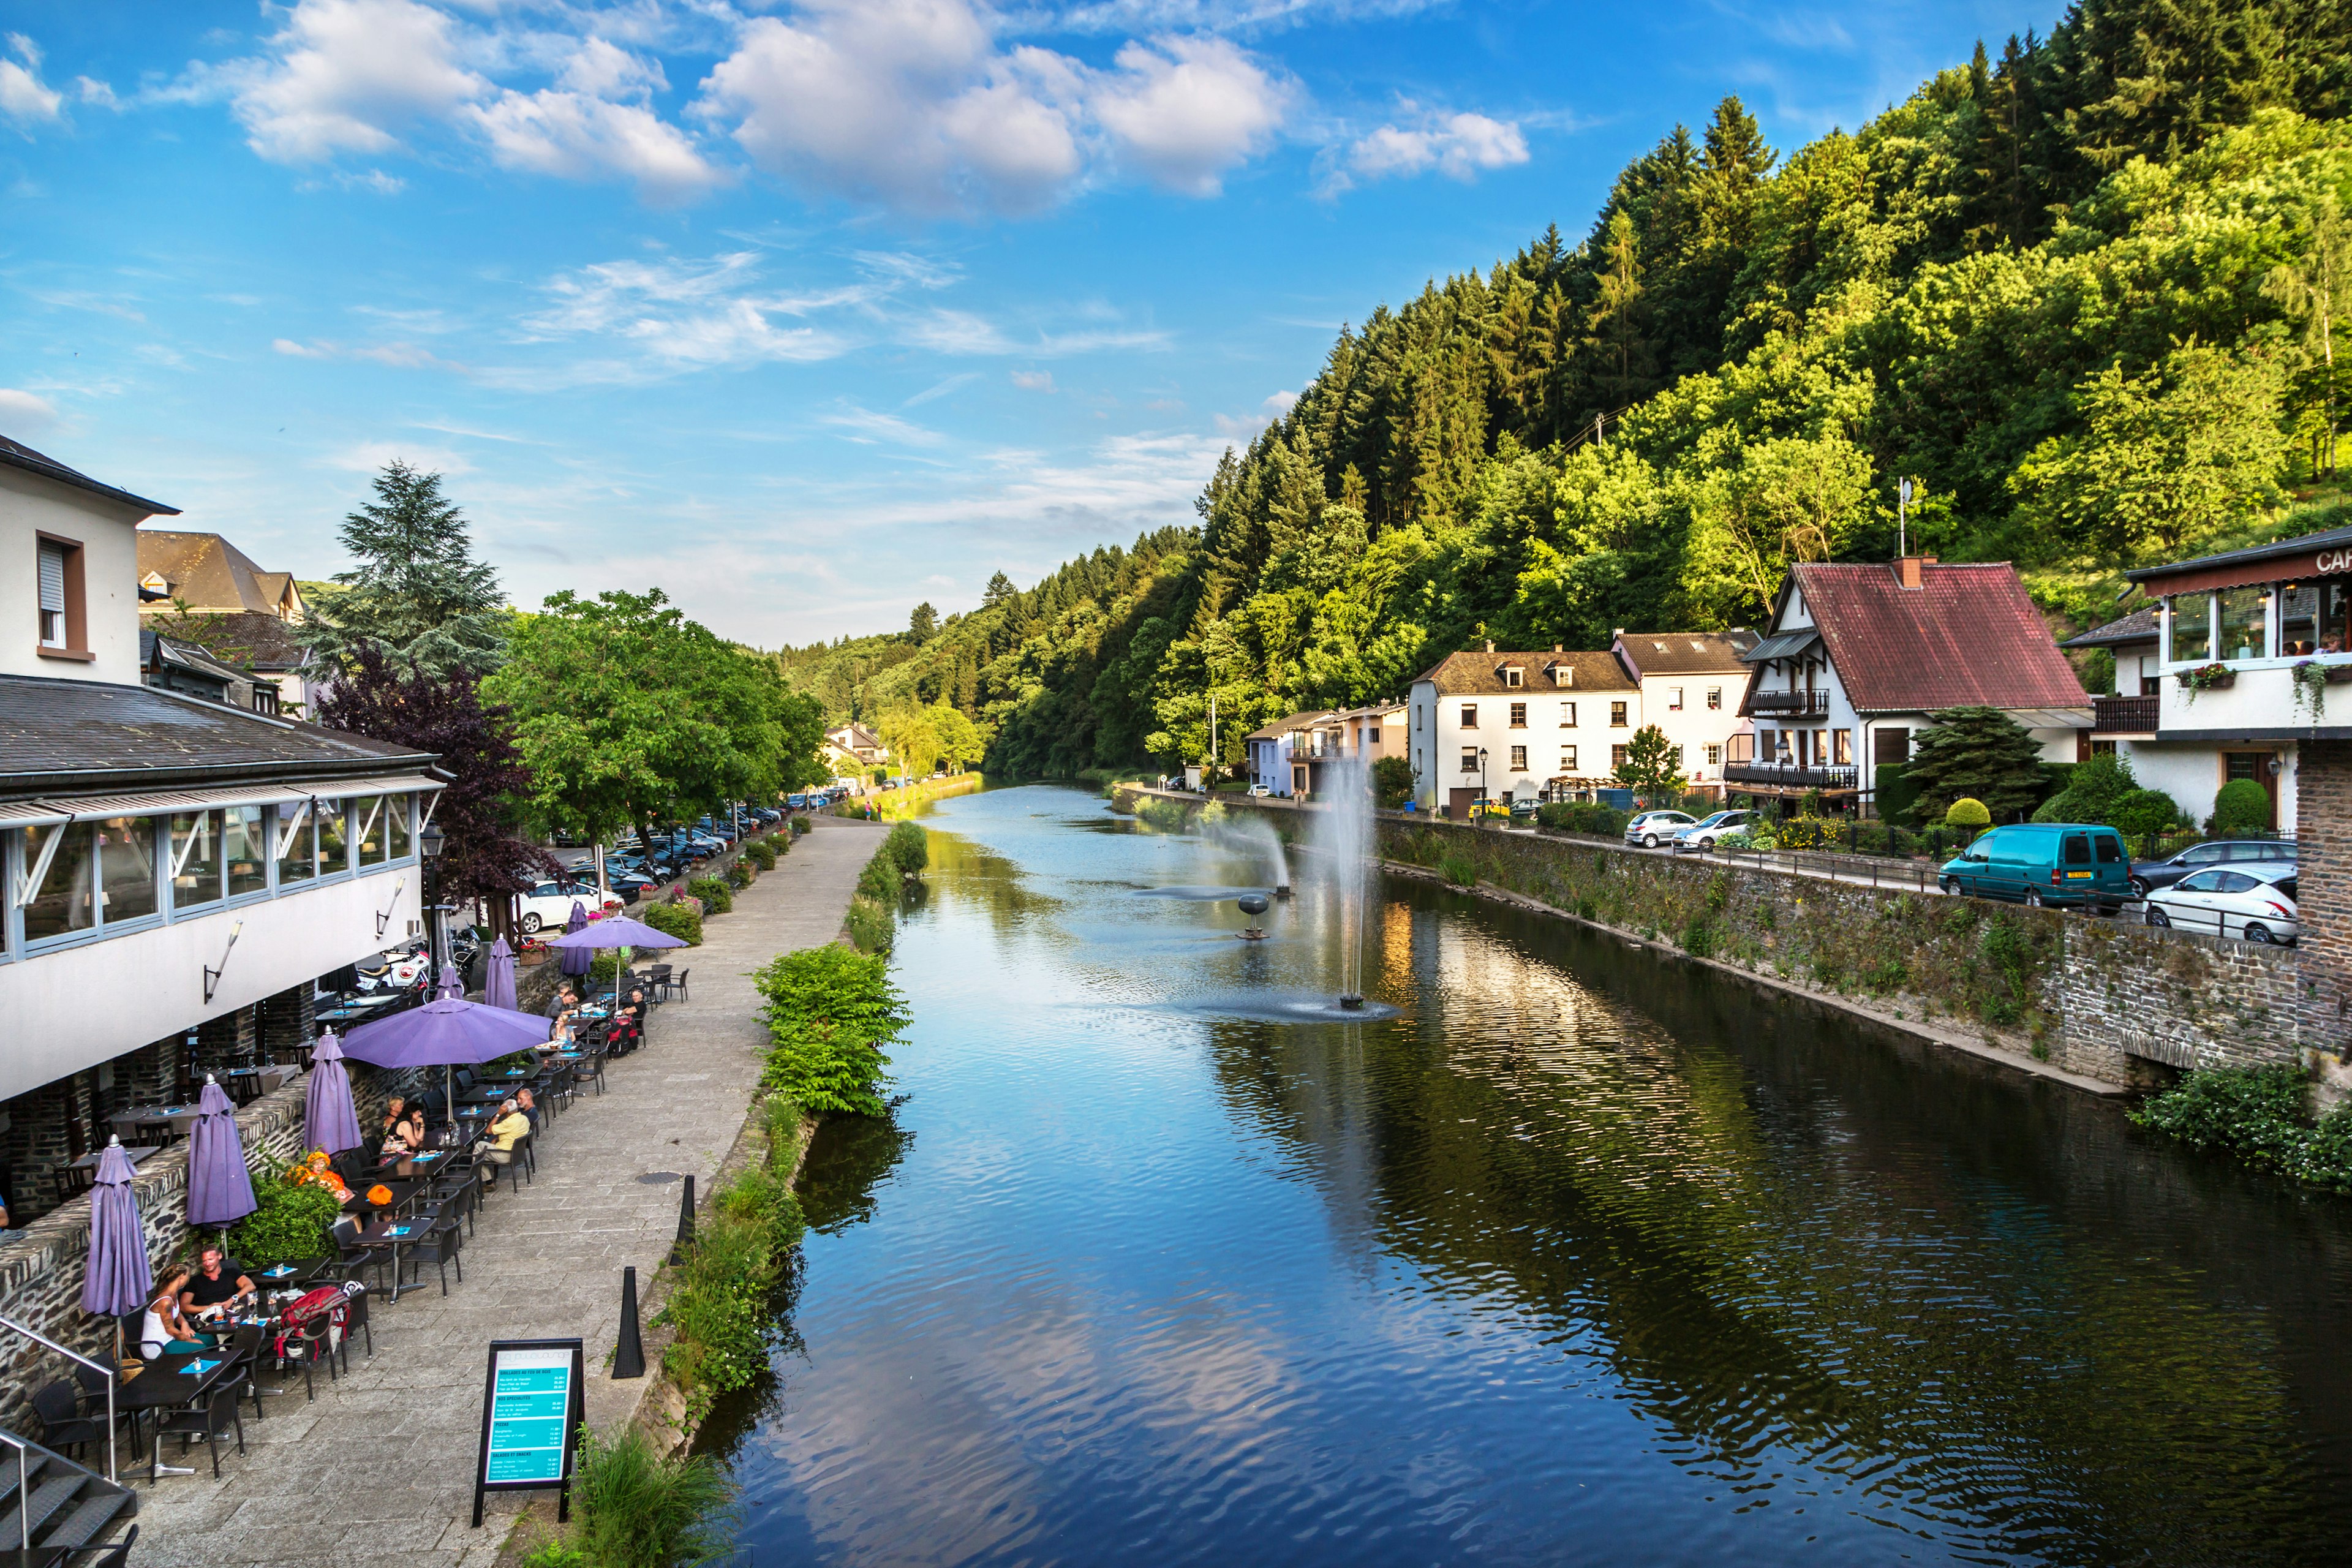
(2257, 1114)
(1458, 870)
(717, 897)
(682, 919)
(761, 852)
(1167, 815)
(639, 1510)
(1391, 783)
(1698, 939)
(2144, 811)
(880, 880)
(1967, 812)
(871, 927)
(911, 847)
(1897, 794)
(830, 1013)
(1583, 816)
(1807, 833)
(743, 874)
(800, 826)
(292, 1223)
(2242, 807)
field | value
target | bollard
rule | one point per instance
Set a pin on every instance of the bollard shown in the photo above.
(685, 1223)
(629, 1355)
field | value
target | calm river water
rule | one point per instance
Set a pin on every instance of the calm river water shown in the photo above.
(1581, 1257)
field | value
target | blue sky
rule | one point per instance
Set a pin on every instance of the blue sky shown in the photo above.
(801, 311)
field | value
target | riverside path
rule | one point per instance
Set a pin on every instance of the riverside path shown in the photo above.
(380, 1465)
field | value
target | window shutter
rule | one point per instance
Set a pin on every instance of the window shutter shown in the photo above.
(53, 577)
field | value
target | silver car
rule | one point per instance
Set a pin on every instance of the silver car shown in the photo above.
(1650, 828)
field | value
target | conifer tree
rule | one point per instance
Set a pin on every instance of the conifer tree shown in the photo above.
(417, 593)
(1981, 753)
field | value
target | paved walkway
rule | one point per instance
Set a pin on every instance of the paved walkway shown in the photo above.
(381, 1465)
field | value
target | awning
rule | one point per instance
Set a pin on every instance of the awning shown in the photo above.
(2052, 718)
(89, 808)
(2328, 555)
(1788, 645)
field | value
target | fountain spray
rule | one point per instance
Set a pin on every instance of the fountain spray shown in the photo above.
(1343, 832)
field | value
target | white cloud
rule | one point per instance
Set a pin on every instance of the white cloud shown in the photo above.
(913, 103)
(1455, 145)
(889, 427)
(23, 98)
(690, 314)
(90, 89)
(1033, 380)
(572, 136)
(302, 351)
(22, 411)
(345, 75)
(369, 458)
(399, 356)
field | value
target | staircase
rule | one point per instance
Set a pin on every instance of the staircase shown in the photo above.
(71, 1513)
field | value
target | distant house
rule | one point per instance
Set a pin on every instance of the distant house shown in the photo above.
(190, 670)
(1691, 684)
(203, 591)
(1518, 726)
(852, 750)
(1281, 754)
(1857, 660)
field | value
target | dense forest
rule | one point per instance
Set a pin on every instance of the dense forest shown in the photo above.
(2084, 293)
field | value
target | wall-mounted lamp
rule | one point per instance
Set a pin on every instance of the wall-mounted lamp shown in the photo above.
(212, 975)
(383, 915)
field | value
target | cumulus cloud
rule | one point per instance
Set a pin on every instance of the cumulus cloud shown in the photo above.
(24, 412)
(1033, 380)
(573, 136)
(346, 76)
(1456, 145)
(914, 103)
(23, 98)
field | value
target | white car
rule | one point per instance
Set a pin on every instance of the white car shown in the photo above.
(549, 905)
(2252, 899)
(1650, 828)
(1703, 833)
(1260, 792)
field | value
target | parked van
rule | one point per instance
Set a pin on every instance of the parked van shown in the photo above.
(2042, 863)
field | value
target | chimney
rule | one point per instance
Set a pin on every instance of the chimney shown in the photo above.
(1490, 645)
(1907, 567)
(1559, 648)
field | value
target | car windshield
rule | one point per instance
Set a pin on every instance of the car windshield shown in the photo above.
(1711, 821)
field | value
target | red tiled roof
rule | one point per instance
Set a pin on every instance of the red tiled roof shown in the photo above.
(1967, 636)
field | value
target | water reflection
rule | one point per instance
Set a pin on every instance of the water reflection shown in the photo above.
(1576, 1255)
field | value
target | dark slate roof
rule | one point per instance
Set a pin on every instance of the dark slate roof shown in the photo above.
(1782, 645)
(154, 646)
(1480, 674)
(2275, 550)
(2137, 627)
(1967, 637)
(250, 640)
(89, 734)
(1687, 653)
(17, 455)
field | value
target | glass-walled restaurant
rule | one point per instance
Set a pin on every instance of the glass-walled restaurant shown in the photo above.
(2228, 625)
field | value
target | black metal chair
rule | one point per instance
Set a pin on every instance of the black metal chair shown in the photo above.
(444, 1244)
(114, 1556)
(216, 1414)
(59, 1409)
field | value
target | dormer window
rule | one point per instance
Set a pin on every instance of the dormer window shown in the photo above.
(1512, 675)
(1563, 675)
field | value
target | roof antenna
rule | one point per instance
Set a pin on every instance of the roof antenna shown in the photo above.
(1902, 519)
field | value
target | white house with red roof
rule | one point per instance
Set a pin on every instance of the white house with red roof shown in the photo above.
(1856, 658)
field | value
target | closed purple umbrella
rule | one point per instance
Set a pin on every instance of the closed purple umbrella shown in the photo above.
(330, 1120)
(498, 980)
(220, 1189)
(451, 984)
(576, 961)
(115, 1279)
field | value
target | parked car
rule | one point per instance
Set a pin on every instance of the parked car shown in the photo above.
(2037, 863)
(1650, 828)
(2253, 900)
(1260, 792)
(2146, 876)
(1705, 833)
(1522, 809)
(550, 904)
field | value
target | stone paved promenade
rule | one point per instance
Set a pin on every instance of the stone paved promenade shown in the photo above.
(380, 1468)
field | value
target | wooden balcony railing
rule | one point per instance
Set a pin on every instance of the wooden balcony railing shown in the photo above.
(1789, 775)
(1789, 702)
(2123, 715)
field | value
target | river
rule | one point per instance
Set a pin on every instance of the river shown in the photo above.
(1581, 1257)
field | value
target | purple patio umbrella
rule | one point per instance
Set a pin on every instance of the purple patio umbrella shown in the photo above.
(220, 1189)
(446, 1034)
(330, 1120)
(576, 961)
(115, 1279)
(498, 980)
(612, 930)
(451, 984)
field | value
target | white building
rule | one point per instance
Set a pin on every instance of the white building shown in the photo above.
(1281, 754)
(2206, 677)
(1517, 726)
(1857, 658)
(1691, 686)
(178, 873)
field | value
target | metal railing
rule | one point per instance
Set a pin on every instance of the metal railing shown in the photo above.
(1792, 776)
(24, 1503)
(2124, 715)
(1789, 702)
(109, 1374)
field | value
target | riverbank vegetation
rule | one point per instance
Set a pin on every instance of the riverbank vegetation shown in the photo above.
(719, 1307)
(639, 1508)
(882, 888)
(2081, 287)
(2259, 1115)
(832, 1015)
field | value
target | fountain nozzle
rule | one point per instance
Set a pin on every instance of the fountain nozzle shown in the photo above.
(1282, 891)
(1351, 1003)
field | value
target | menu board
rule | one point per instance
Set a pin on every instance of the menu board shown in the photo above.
(532, 1405)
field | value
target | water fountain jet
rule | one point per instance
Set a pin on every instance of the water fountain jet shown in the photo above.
(1342, 831)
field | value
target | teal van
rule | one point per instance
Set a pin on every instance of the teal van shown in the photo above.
(2042, 863)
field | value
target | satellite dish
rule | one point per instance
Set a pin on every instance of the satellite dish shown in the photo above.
(1903, 490)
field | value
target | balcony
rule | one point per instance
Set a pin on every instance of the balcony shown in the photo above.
(2260, 699)
(1789, 702)
(2124, 715)
(1789, 776)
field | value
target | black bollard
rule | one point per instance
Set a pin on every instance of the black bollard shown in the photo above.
(685, 1222)
(629, 1355)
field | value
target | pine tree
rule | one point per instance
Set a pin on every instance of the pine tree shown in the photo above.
(999, 590)
(417, 593)
(1978, 753)
(923, 624)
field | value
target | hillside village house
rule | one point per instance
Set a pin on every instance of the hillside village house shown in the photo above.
(175, 874)
(1691, 684)
(201, 591)
(1288, 755)
(2207, 683)
(1857, 658)
(852, 752)
(1518, 726)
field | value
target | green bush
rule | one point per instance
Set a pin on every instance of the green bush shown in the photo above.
(761, 852)
(292, 1223)
(1167, 815)
(830, 1013)
(911, 847)
(741, 874)
(800, 826)
(677, 919)
(1391, 783)
(2144, 811)
(1457, 869)
(717, 897)
(871, 927)
(1698, 939)
(1807, 833)
(880, 880)
(1583, 816)
(1897, 795)
(2257, 1114)
(2242, 807)
(639, 1509)
(1967, 812)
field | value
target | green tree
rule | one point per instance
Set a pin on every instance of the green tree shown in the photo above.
(628, 714)
(1391, 783)
(1650, 769)
(1976, 753)
(961, 745)
(923, 624)
(913, 739)
(2312, 291)
(416, 593)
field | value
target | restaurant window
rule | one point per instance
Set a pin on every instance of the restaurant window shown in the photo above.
(1469, 759)
(1567, 759)
(1518, 759)
(197, 872)
(1714, 697)
(1519, 715)
(1469, 715)
(1568, 715)
(126, 858)
(297, 833)
(2312, 618)
(2244, 634)
(334, 837)
(2192, 628)
(1674, 698)
(245, 849)
(61, 901)
(1617, 715)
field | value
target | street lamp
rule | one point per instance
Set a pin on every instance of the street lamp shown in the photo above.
(430, 843)
(1482, 786)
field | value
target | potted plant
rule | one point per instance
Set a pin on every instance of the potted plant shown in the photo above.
(2206, 677)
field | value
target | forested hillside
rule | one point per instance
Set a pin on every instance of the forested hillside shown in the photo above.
(2084, 293)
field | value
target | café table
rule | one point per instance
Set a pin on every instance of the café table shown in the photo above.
(266, 1078)
(405, 1167)
(401, 1191)
(138, 1156)
(179, 1118)
(394, 1233)
(291, 1276)
(168, 1382)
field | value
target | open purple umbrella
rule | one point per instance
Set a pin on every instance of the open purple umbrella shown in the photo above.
(576, 962)
(499, 979)
(115, 1279)
(220, 1189)
(330, 1122)
(446, 1034)
(614, 930)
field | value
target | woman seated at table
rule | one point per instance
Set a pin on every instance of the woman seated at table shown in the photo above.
(163, 1331)
(501, 1134)
(408, 1135)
